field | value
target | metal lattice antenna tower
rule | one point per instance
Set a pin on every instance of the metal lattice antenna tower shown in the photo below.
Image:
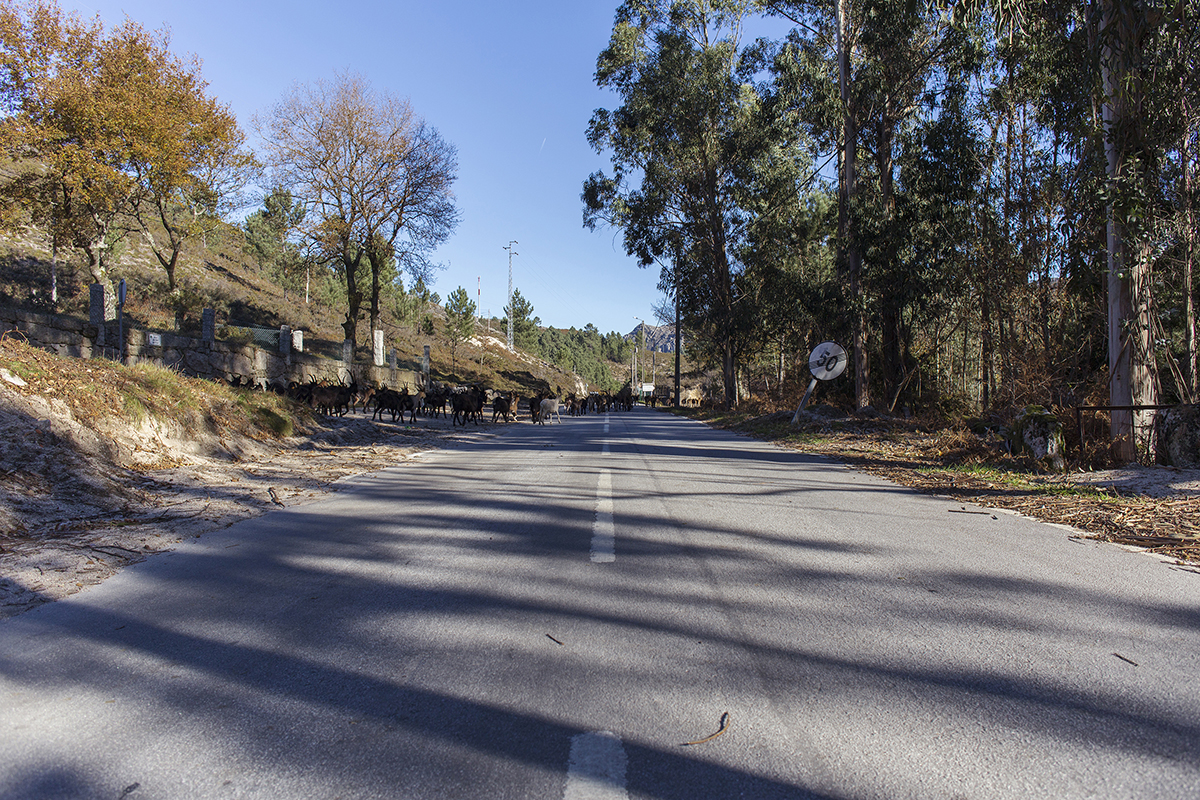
(509, 247)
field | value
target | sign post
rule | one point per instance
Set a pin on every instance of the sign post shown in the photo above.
(826, 362)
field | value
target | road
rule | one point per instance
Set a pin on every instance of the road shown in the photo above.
(557, 611)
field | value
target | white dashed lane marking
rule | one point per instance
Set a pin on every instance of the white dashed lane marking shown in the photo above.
(596, 768)
(604, 531)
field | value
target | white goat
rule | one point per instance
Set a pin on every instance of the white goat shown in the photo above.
(549, 406)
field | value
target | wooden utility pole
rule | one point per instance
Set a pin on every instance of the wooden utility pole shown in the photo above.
(678, 347)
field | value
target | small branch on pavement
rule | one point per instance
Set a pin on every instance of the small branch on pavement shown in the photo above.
(724, 726)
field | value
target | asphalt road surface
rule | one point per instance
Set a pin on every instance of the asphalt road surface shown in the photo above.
(620, 606)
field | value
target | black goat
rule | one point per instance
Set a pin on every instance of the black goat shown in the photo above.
(436, 400)
(502, 407)
(332, 400)
(468, 403)
(387, 400)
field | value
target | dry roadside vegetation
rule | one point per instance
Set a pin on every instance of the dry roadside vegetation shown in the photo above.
(102, 465)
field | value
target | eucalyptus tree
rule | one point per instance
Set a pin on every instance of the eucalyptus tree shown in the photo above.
(832, 112)
(1188, 220)
(375, 180)
(693, 154)
(865, 73)
(1138, 75)
(938, 252)
(1151, 87)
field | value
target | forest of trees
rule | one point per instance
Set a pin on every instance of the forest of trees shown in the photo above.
(987, 204)
(587, 352)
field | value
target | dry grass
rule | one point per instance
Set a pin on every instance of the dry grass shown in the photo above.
(97, 389)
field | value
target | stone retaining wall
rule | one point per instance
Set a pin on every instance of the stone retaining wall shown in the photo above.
(212, 359)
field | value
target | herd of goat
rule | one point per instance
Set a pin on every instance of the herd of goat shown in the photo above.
(463, 403)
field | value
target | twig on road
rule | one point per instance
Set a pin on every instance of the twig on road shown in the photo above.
(723, 727)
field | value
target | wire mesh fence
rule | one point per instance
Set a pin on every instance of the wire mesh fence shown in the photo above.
(248, 332)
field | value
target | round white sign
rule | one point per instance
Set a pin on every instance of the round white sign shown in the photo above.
(827, 361)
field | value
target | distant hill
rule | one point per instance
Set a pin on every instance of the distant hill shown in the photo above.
(659, 338)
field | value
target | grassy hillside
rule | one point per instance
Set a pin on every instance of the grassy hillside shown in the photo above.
(223, 276)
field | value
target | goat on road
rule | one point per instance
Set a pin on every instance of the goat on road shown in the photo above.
(468, 403)
(387, 400)
(502, 406)
(548, 407)
(436, 401)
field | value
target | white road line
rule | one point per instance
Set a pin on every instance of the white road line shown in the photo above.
(604, 531)
(596, 768)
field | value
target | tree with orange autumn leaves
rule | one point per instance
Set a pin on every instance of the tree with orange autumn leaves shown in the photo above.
(107, 133)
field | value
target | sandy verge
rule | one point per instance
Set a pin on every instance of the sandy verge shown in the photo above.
(70, 520)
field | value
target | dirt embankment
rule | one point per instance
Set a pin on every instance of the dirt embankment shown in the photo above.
(84, 490)
(69, 520)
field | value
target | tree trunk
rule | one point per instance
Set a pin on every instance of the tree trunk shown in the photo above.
(1129, 345)
(169, 267)
(376, 260)
(847, 225)
(376, 315)
(722, 281)
(728, 356)
(678, 347)
(353, 302)
(1189, 261)
(986, 349)
(890, 314)
(1120, 362)
(1005, 303)
(1044, 296)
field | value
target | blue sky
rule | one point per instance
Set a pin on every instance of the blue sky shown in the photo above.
(510, 84)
